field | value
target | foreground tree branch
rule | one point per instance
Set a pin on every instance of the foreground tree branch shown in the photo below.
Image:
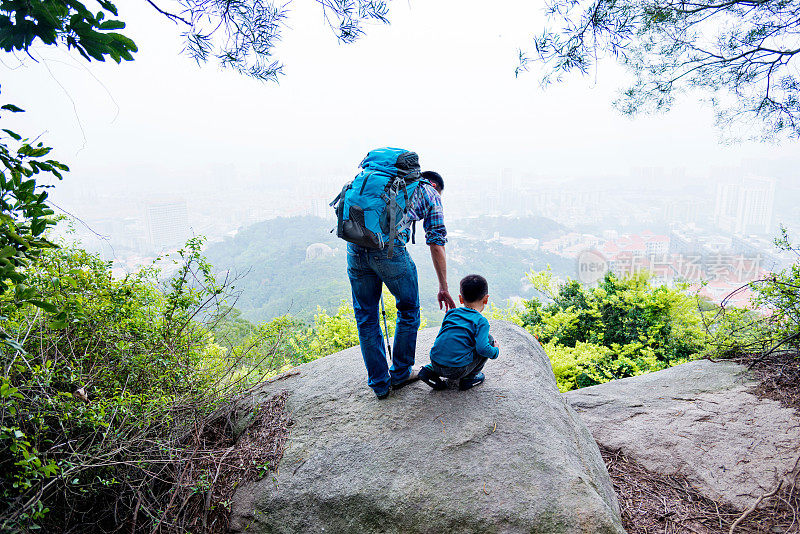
(742, 54)
(237, 34)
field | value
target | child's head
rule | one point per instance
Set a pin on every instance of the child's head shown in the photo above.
(474, 290)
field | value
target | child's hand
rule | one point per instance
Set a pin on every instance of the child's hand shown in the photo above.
(496, 344)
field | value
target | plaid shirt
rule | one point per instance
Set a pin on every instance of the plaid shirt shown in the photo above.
(425, 205)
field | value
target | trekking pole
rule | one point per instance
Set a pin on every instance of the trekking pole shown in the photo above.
(385, 328)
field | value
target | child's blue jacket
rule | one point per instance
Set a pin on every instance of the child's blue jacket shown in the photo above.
(464, 331)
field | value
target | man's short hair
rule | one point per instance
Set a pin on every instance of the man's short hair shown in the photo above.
(435, 178)
(474, 287)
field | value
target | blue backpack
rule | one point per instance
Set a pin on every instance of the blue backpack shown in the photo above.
(371, 206)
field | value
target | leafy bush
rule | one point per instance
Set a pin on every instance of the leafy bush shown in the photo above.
(512, 313)
(622, 327)
(779, 294)
(102, 396)
(772, 326)
(572, 365)
(24, 214)
(332, 333)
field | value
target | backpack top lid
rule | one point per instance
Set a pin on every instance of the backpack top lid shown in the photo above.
(393, 161)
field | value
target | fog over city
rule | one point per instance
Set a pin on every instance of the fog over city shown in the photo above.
(161, 148)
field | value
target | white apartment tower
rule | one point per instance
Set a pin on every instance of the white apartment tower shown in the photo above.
(167, 224)
(745, 207)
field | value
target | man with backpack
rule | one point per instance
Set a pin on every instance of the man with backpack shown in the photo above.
(376, 213)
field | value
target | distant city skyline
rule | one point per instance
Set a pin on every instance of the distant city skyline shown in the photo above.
(132, 232)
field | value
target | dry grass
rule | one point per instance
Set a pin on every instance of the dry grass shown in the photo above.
(779, 377)
(653, 503)
(215, 464)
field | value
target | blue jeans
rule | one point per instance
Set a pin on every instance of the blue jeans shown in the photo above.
(368, 269)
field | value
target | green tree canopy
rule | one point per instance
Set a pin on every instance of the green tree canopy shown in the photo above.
(67, 23)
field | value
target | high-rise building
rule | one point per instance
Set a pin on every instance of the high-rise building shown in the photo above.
(505, 191)
(757, 198)
(683, 211)
(745, 207)
(167, 224)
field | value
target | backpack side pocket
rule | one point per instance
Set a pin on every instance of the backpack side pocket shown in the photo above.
(354, 230)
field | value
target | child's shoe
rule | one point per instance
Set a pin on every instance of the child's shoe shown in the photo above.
(470, 382)
(431, 378)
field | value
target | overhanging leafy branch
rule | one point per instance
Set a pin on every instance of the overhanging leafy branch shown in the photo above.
(743, 53)
(242, 34)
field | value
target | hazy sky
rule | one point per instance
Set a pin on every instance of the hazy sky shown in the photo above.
(438, 80)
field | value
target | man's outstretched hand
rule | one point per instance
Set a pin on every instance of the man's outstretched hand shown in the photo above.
(440, 266)
(445, 300)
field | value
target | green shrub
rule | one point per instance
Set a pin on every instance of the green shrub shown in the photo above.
(620, 328)
(773, 323)
(25, 216)
(332, 333)
(779, 296)
(105, 391)
(259, 351)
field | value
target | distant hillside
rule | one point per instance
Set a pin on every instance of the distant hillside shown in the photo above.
(277, 278)
(281, 280)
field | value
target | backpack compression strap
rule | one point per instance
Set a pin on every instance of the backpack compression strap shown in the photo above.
(392, 207)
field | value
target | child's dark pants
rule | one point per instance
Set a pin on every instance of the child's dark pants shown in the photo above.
(467, 371)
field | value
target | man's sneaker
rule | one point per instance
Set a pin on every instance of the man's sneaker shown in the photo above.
(431, 378)
(382, 396)
(470, 382)
(413, 377)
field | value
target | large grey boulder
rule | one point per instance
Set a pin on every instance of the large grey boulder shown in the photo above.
(700, 420)
(508, 456)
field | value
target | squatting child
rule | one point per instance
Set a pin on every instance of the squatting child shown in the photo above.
(463, 344)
